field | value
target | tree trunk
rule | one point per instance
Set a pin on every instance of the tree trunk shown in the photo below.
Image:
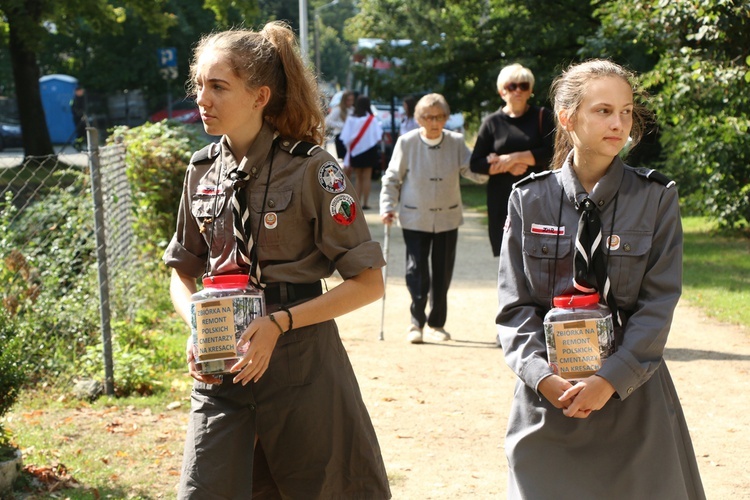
(36, 140)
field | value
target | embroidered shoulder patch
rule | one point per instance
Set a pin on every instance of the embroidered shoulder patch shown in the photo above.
(343, 209)
(331, 178)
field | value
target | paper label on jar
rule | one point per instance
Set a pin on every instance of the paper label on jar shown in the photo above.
(215, 331)
(574, 349)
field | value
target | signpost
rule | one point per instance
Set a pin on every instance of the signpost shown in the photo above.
(167, 58)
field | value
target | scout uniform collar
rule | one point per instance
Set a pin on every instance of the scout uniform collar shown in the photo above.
(605, 190)
(261, 151)
(255, 158)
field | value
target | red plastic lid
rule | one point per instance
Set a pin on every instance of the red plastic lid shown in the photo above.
(568, 301)
(226, 281)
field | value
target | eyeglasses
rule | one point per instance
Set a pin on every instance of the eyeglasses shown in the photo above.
(433, 118)
(513, 86)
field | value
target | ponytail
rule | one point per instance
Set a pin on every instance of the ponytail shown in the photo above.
(295, 109)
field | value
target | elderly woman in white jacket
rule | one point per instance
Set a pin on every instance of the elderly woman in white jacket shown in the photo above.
(423, 181)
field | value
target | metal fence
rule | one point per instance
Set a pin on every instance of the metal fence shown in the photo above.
(37, 216)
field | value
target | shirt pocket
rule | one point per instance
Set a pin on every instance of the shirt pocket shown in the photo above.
(539, 252)
(628, 258)
(207, 211)
(272, 217)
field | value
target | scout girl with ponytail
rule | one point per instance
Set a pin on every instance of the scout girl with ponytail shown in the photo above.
(266, 200)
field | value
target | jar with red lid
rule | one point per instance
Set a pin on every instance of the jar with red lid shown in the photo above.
(579, 335)
(219, 315)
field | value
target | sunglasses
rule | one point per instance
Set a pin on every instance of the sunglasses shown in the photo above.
(513, 86)
(433, 118)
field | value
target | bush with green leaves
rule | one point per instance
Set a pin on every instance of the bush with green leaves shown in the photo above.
(157, 157)
(48, 280)
(49, 274)
(143, 346)
(11, 372)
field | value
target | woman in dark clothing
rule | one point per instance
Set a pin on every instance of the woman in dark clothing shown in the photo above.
(512, 142)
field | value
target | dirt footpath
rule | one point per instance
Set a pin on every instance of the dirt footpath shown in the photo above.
(440, 410)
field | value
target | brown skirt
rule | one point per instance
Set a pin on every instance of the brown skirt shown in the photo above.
(315, 437)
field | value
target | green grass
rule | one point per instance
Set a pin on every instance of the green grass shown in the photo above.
(716, 271)
(474, 196)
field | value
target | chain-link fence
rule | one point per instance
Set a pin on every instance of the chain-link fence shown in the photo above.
(62, 253)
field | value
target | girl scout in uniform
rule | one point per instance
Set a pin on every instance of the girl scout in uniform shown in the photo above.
(620, 433)
(289, 422)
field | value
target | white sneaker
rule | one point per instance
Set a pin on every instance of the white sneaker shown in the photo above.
(414, 335)
(437, 334)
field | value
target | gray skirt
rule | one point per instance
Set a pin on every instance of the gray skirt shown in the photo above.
(639, 447)
(315, 437)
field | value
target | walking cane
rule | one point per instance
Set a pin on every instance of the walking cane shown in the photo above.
(385, 274)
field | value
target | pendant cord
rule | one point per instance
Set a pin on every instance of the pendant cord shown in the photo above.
(557, 245)
(213, 219)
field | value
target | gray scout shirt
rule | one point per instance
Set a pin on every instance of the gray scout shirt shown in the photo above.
(638, 444)
(644, 265)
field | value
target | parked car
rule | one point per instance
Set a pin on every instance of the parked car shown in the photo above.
(185, 111)
(10, 134)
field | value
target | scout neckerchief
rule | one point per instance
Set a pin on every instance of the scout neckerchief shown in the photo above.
(590, 256)
(588, 253)
(241, 227)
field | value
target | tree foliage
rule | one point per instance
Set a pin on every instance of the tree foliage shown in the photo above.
(458, 48)
(695, 59)
(30, 23)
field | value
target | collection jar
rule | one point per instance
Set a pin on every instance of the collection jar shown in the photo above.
(579, 335)
(219, 315)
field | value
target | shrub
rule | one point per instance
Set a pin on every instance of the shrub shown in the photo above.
(157, 157)
(11, 372)
(48, 281)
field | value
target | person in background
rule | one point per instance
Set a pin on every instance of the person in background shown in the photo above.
(595, 225)
(512, 142)
(267, 201)
(80, 119)
(336, 118)
(408, 122)
(362, 134)
(422, 180)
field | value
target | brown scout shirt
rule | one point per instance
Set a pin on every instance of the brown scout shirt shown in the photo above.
(311, 224)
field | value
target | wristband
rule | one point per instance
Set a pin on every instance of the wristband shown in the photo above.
(288, 313)
(281, 330)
